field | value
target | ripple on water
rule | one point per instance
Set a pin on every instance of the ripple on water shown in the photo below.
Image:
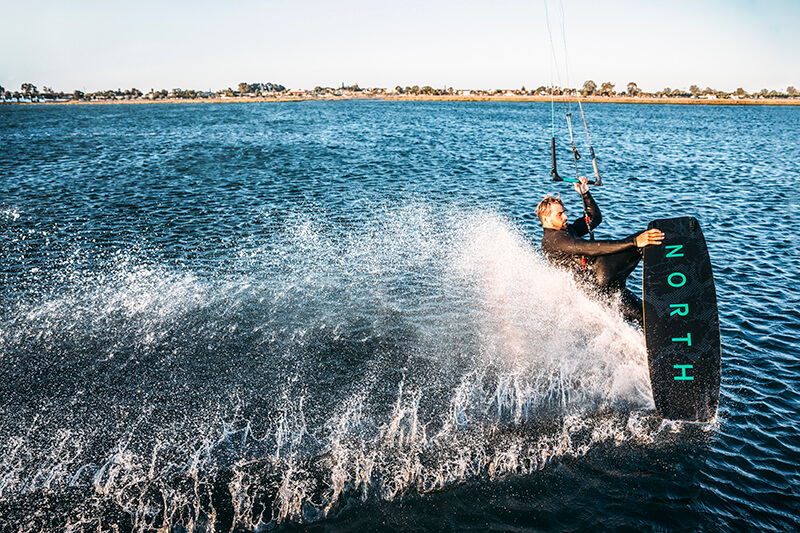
(337, 311)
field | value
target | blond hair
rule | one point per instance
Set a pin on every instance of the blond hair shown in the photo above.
(543, 209)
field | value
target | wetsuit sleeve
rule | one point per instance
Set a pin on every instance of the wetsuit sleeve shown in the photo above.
(579, 225)
(569, 244)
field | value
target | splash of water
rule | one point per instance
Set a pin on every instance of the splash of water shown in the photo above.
(324, 365)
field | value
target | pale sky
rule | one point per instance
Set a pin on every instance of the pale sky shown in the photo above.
(91, 45)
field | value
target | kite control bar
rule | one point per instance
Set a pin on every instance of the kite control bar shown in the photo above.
(554, 170)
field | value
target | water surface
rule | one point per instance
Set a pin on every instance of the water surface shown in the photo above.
(335, 316)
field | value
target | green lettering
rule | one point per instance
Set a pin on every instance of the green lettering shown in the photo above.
(683, 376)
(681, 279)
(680, 309)
(687, 339)
(674, 250)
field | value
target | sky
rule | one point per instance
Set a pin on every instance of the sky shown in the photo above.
(92, 45)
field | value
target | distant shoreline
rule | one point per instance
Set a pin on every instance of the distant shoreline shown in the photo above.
(605, 99)
(439, 98)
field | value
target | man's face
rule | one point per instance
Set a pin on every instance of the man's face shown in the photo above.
(557, 218)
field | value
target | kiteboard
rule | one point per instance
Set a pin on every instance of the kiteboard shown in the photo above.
(681, 323)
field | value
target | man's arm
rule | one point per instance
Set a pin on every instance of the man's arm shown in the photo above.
(562, 241)
(579, 225)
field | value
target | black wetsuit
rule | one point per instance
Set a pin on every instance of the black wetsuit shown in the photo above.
(604, 264)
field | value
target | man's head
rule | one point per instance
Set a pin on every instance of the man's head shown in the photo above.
(551, 213)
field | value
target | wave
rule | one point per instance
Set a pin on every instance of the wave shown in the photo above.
(322, 364)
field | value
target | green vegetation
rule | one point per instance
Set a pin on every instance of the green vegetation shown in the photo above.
(607, 89)
(30, 93)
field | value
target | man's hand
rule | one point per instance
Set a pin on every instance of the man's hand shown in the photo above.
(583, 185)
(649, 238)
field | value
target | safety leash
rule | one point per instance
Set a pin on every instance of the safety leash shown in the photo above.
(588, 220)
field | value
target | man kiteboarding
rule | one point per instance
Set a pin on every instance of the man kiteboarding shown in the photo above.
(602, 264)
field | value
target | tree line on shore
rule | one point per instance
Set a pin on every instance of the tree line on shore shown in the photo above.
(30, 93)
(590, 88)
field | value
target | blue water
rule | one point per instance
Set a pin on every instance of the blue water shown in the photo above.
(335, 316)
